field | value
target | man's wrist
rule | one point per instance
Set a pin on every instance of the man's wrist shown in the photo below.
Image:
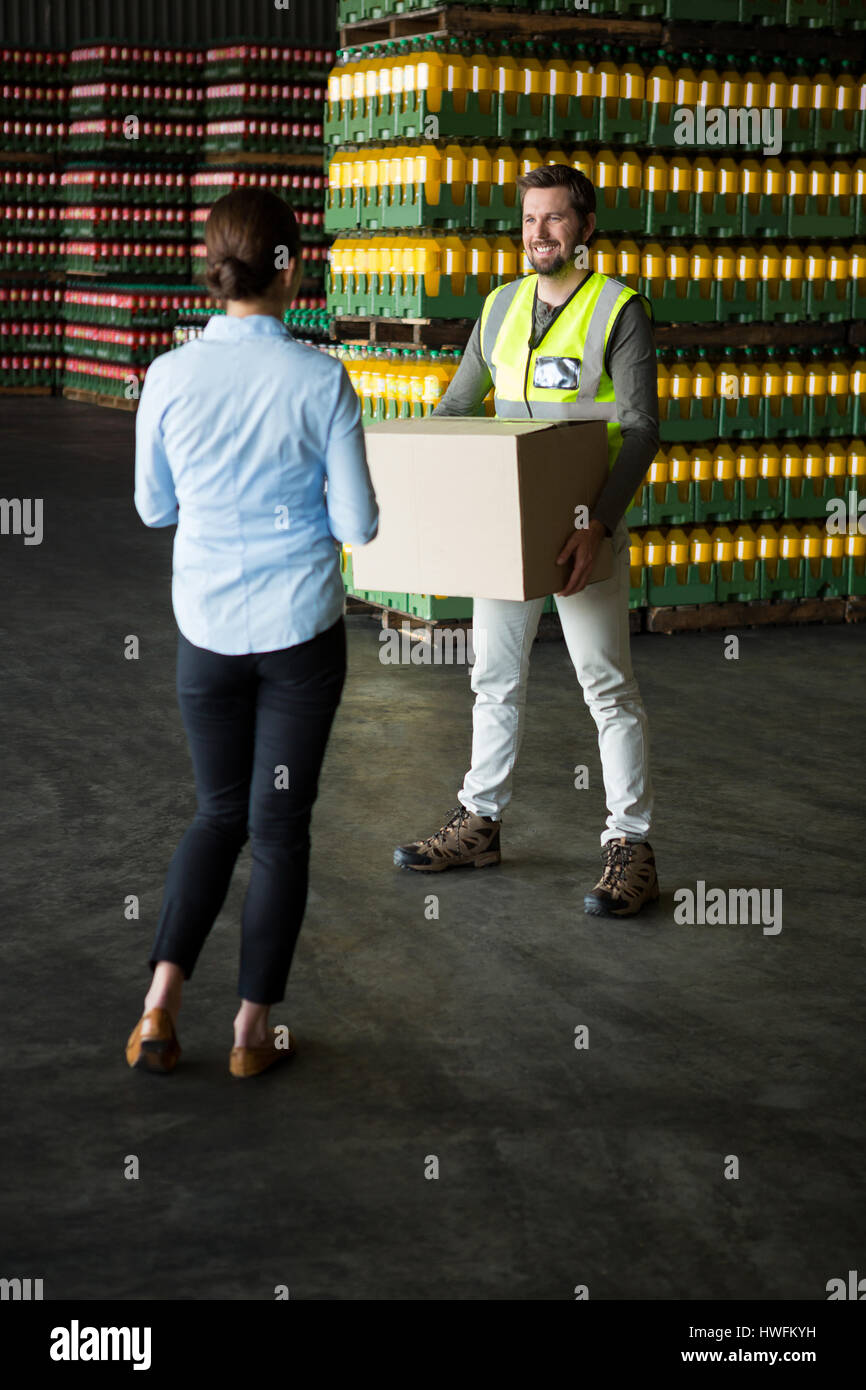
(598, 527)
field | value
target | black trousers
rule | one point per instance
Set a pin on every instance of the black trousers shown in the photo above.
(257, 727)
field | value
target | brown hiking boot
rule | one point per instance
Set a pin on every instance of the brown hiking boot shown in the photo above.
(463, 839)
(628, 882)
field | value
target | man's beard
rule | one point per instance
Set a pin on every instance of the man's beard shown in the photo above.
(556, 267)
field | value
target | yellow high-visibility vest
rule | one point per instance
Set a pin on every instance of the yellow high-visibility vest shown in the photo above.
(563, 378)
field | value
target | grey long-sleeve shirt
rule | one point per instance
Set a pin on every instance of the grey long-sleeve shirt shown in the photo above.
(630, 362)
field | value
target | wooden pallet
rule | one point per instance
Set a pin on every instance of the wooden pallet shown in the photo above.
(855, 609)
(421, 629)
(799, 334)
(26, 391)
(465, 19)
(432, 332)
(73, 393)
(413, 332)
(759, 613)
(294, 159)
(441, 20)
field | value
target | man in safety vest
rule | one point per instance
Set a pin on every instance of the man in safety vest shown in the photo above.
(563, 343)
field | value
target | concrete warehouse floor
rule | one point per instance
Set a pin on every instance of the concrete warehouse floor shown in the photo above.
(559, 1166)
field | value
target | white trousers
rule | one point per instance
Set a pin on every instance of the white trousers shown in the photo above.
(596, 630)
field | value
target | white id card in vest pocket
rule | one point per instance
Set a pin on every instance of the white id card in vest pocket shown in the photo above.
(557, 373)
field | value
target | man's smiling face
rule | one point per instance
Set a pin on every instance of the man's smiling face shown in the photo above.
(552, 230)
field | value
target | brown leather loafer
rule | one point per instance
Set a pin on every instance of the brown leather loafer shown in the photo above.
(249, 1061)
(153, 1044)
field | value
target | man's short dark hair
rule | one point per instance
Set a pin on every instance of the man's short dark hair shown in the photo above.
(580, 189)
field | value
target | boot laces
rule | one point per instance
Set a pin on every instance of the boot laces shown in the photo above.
(455, 821)
(617, 859)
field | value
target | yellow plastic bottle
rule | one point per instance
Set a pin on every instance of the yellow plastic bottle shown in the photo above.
(838, 388)
(658, 477)
(701, 464)
(767, 538)
(815, 385)
(506, 78)
(632, 86)
(685, 85)
(453, 252)
(506, 263)
(390, 61)
(747, 468)
(701, 553)
(655, 555)
(428, 171)
(359, 84)
(586, 84)
(709, 85)
(529, 158)
(770, 268)
(454, 171)
(608, 78)
(604, 255)
(371, 79)
(534, 80)
(754, 90)
(678, 547)
(770, 467)
(629, 175)
(704, 377)
(701, 270)
(480, 172)
(560, 81)
(680, 471)
(835, 467)
(481, 76)
(458, 75)
(584, 160)
(790, 549)
(347, 79)
(334, 80)
(481, 262)
(435, 380)
(606, 179)
(504, 171)
(752, 378)
(814, 466)
(725, 470)
(730, 94)
(654, 267)
(660, 90)
(792, 467)
(628, 257)
(794, 269)
(724, 550)
(776, 92)
(795, 386)
(746, 549)
(426, 73)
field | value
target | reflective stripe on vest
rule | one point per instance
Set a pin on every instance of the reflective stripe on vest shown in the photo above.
(580, 331)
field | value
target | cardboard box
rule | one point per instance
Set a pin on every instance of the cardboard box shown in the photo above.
(480, 507)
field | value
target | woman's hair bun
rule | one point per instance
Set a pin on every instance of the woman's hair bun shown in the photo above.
(245, 233)
(231, 278)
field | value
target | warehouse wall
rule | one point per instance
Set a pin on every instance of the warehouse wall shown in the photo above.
(62, 23)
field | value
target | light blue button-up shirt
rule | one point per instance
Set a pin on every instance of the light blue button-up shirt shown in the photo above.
(253, 444)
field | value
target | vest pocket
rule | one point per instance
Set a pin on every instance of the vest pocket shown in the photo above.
(557, 373)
